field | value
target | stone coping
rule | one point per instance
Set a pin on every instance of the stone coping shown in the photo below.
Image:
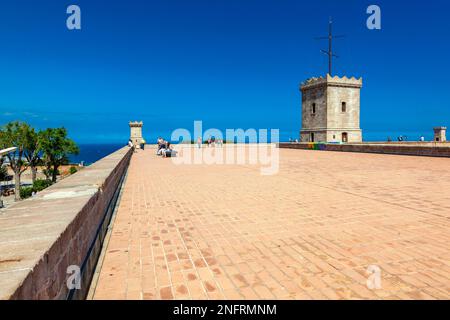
(41, 236)
(431, 149)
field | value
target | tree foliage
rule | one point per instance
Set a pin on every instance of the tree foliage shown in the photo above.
(56, 148)
(51, 147)
(13, 134)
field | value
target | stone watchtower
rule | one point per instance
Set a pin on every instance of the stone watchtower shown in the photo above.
(440, 134)
(136, 132)
(331, 110)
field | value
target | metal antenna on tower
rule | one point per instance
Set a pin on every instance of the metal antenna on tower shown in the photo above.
(330, 53)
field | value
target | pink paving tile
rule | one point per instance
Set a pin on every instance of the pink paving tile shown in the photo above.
(311, 231)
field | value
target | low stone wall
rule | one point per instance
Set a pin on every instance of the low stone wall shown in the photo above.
(62, 226)
(410, 149)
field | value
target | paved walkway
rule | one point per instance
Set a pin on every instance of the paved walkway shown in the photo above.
(309, 232)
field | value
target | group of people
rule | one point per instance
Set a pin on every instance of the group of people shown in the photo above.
(211, 142)
(165, 149)
(405, 138)
(141, 145)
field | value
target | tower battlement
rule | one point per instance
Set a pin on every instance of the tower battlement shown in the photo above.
(136, 124)
(332, 81)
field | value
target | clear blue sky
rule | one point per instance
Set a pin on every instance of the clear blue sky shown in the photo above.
(230, 63)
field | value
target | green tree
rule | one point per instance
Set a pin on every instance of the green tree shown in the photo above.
(32, 150)
(13, 135)
(56, 147)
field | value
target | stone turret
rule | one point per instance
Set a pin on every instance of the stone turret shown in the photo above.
(440, 134)
(136, 132)
(331, 109)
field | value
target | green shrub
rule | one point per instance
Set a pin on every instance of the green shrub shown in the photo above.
(41, 184)
(73, 170)
(26, 192)
(38, 185)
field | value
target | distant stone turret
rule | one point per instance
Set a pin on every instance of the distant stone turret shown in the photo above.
(136, 132)
(440, 134)
(331, 110)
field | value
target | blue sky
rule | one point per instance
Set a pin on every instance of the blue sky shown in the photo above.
(230, 63)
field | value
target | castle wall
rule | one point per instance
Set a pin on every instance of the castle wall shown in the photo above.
(319, 136)
(338, 119)
(412, 149)
(73, 214)
(336, 135)
(317, 120)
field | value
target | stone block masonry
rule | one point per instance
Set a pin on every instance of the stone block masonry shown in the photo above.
(41, 237)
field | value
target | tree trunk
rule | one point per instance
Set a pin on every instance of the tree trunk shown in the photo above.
(17, 186)
(33, 173)
(47, 172)
(55, 170)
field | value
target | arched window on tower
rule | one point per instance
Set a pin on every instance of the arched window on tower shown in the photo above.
(344, 107)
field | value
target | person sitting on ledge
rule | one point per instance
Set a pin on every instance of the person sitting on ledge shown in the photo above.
(161, 149)
(169, 152)
(161, 146)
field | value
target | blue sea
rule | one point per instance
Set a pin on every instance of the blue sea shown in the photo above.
(90, 153)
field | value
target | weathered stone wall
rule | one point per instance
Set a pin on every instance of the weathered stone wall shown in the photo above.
(412, 149)
(338, 119)
(42, 236)
(318, 119)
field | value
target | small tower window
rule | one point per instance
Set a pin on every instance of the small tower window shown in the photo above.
(313, 108)
(344, 107)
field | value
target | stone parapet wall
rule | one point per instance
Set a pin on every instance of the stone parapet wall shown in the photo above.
(412, 149)
(60, 227)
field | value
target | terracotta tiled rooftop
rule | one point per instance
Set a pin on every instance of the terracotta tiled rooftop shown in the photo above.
(309, 232)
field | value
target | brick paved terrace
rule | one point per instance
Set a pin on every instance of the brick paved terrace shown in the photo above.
(309, 232)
